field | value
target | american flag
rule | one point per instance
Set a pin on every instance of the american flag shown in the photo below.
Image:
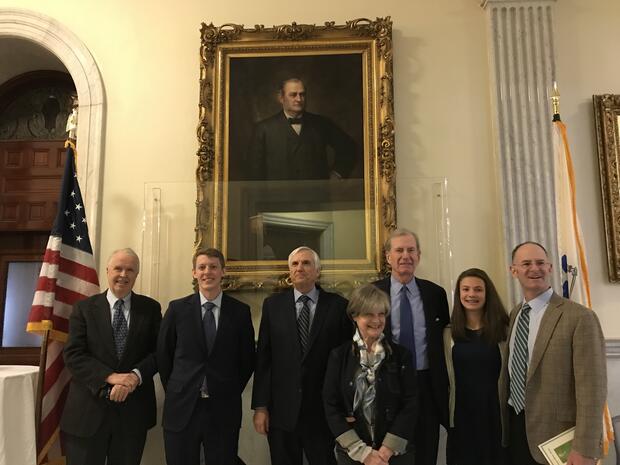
(67, 276)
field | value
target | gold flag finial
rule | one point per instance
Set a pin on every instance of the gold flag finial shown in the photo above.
(555, 99)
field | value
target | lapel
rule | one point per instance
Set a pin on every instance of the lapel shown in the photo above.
(545, 331)
(426, 307)
(513, 317)
(386, 286)
(136, 319)
(320, 315)
(104, 323)
(223, 323)
(290, 321)
(194, 311)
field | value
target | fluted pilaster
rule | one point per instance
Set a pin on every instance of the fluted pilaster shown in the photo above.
(522, 67)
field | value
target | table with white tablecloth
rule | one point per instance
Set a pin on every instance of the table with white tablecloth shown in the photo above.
(18, 389)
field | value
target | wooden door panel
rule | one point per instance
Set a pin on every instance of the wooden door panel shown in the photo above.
(30, 176)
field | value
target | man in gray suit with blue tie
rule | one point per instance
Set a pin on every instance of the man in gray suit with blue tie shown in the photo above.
(419, 312)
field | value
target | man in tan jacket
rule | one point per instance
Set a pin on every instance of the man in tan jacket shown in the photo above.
(556, 368)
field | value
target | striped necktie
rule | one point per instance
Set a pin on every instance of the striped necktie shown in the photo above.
(520, 356)
(303, 322)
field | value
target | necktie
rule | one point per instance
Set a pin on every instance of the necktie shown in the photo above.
(295, 120)
(303, 322)
(518, 372)
(407, 337)
(208, 325)
(119, 328)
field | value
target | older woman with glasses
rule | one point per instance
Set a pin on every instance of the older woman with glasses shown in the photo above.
(370, 388)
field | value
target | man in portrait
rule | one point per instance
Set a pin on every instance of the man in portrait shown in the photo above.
(556, 376)
(110, 354)
(419, 313)
(205, 355)
(299, 327)
(294, 144)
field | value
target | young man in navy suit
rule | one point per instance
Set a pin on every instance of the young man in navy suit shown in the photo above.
(299, 327)
(206, 355)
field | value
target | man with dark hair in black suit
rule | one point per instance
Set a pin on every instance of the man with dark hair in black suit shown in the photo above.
(299, 327)
(419, 312)
(206, 356)
(110, 354)
(294, 144)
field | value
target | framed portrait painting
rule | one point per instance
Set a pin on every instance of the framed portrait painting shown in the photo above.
(296, 135)
(607, 123)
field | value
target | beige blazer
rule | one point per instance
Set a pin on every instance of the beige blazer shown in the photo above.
(566, 379)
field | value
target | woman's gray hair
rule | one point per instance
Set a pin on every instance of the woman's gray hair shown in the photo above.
(367, 299)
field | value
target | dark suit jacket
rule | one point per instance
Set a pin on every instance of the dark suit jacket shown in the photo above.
(183, 360)
(285, 381)
(277, 152)
(90, 356)
(396, 399)
(437, 317)
(566, 379)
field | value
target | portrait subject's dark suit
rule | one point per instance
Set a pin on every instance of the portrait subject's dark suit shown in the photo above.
(290, 384)
(277, 152)
(432, 385)
(184, 361)
(90, 356)
(566, 382)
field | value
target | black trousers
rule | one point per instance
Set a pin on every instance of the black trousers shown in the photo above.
(317, 442)
(426, 434)
(519, 450)
(111, 441)
(219, 441)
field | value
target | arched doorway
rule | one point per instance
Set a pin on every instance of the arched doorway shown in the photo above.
(77, 59)
(56, 41)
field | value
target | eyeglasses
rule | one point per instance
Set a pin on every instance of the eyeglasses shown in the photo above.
(528, 264)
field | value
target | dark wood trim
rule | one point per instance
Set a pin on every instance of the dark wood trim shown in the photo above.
(19, 355)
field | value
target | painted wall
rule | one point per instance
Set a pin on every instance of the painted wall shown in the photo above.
(148, 59)
(147, 53)
(587, 39)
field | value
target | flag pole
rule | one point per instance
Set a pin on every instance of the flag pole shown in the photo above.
(46, 327)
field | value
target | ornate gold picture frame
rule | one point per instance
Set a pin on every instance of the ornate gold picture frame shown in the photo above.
(267, 184)
(607, 120)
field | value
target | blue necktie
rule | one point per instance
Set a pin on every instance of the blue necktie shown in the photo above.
(208, 326)
(407, 337)
(119, 328)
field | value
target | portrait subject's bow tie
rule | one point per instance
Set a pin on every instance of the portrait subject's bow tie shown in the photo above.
(295, 120)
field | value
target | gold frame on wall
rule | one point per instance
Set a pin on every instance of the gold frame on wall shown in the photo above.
(606, 117)
(372, 40)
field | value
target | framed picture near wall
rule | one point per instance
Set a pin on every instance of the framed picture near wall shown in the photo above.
(607, 122)
(296, 147)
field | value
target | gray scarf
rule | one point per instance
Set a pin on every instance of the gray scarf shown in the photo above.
(365, 390)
